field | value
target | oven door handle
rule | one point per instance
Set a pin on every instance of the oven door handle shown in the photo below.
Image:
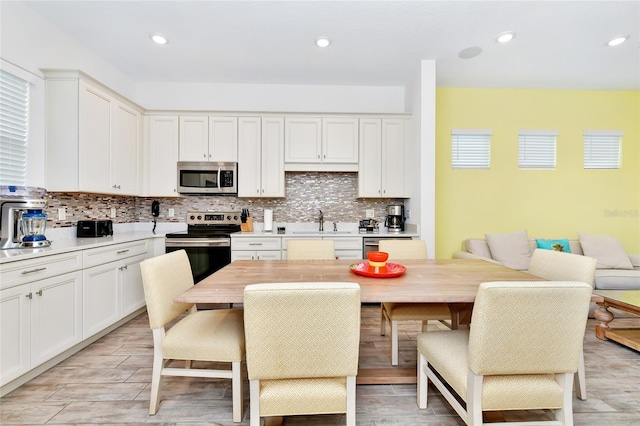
(177, 242)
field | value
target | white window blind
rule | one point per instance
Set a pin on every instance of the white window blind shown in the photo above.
(14, 120)
(602, 149)
(470, 149)
(537, 149)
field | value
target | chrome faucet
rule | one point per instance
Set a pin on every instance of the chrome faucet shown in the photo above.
(321, 221)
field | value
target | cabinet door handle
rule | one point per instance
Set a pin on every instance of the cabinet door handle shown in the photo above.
(122, 251)
(204, 155)
(29, 295)
(33, 270)
(255, 244)
(39, 292)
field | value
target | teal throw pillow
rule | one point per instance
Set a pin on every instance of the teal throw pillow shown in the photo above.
(557, 245)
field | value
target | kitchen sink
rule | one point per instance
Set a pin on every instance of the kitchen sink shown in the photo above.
(324, 232)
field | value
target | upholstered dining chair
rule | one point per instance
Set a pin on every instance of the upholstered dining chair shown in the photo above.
(212, 335)
(559, 266)
(311, 250)
(302, 348)
(396, 312)
(520, 353)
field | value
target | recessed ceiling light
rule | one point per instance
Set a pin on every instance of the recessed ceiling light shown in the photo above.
(323, 41)
(505, 37)
(617, 40)
(159, 38)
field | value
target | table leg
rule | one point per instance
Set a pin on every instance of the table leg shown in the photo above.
(605, 316)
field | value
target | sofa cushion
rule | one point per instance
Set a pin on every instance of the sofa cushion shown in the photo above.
(557, 245)
(607, 250)
(617, 279)
(510, 249)
(478, 246)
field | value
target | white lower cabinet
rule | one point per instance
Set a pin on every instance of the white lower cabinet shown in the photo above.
(39, 320)
(112, 290)
(100, 298)
(345, 247)
(256, 248)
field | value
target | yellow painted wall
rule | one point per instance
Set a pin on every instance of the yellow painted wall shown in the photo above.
(547, 203)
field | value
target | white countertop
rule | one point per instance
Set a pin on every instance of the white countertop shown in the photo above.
(64, 240)
(311, 230)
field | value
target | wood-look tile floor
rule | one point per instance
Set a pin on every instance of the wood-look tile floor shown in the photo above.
(108, 383)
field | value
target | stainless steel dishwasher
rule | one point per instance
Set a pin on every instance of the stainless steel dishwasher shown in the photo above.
(371, 243)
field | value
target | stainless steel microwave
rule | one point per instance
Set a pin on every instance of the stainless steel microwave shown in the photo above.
(207, 178)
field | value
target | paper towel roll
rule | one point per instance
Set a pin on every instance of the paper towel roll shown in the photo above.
(268, 220)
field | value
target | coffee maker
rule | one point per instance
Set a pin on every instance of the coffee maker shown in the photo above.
(22, 220)
(395, 217)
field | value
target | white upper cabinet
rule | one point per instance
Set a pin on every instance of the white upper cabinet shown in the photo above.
(261, 157)
(93, 137)
(382, 171)
(208, 138)
(340, 140)
(163, 155)
(321, 143)
(194, 138)
(223, 139)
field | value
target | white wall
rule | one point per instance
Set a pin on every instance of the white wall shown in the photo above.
(270, 97)
(428, 154)
(421, 101)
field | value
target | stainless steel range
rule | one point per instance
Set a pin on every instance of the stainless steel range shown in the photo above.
(207, 241)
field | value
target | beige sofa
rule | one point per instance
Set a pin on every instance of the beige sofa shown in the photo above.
(605, 279)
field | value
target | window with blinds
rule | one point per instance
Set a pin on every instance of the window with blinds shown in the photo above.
(602, 149)
(470, 149)
(14, 125)
(537, 149)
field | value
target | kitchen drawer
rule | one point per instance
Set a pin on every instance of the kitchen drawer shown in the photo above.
(102, 255)
(346, 243)
(25, 271)
(349, 254)
(257, 243)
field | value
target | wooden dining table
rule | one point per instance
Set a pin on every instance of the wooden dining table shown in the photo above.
(452, 281)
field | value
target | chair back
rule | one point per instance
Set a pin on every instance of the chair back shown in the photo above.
(403, 249)
(302, 330)
(528, 327)
(559, 266)
(311, 250)
(164, 277)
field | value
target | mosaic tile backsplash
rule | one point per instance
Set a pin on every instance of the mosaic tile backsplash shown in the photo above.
(306, 193)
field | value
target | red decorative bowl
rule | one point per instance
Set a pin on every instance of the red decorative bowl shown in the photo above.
(377, 256)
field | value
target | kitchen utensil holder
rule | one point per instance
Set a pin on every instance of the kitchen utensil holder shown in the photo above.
(248, 226)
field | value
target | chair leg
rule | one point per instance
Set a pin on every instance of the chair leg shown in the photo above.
(254, 402)
(236, 390)
(156, 381)
(423, 382)
(383, 321)
(351, 400)
(394, 342)
(580, 384)
(474, 399)
(564, 415)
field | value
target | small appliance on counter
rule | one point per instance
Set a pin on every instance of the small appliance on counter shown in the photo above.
(368, 226)
(23, 221)
(395, 217)
(94, 228)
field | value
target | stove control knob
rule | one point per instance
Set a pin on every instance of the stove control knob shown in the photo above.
(192, 217)
(229, 217)
(199, 217)
(235, 217)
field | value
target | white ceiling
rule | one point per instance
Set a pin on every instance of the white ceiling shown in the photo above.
(559, 44)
